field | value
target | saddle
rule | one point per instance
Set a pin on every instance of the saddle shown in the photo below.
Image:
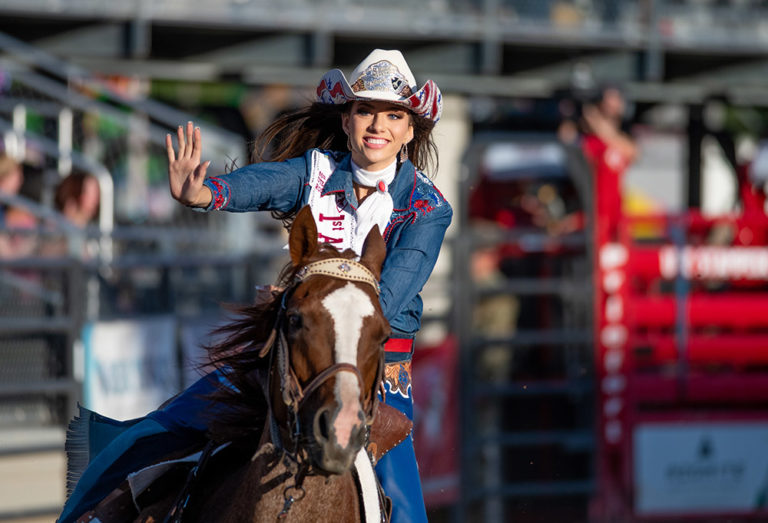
(390, 428)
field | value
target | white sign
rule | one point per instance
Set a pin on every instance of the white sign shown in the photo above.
(701, 468)
(131, 366)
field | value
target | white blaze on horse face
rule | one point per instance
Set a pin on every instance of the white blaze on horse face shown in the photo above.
(348, 307)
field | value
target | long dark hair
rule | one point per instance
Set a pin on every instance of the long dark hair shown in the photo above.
(319, 125)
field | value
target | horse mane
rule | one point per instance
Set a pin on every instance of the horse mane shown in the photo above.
(237, 357)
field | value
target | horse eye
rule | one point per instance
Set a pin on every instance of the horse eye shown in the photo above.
(294, 321)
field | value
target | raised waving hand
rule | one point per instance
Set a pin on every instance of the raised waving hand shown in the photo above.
(185, 172)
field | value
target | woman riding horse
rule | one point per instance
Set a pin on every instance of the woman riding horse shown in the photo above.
(356, 156)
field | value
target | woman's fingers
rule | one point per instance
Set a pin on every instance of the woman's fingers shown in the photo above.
(182, 141)
(197, 145)
(190, 132)
(169, 148)
(189, 141)
(187, 137)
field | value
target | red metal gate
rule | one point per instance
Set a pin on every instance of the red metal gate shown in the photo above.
(682, 370)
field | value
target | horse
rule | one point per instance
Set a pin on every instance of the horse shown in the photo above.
(295, 439)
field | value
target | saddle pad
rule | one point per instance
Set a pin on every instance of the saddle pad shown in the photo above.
(142, 479)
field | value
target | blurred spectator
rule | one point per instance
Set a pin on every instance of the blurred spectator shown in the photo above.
(18, 238)
(77, 198)
(604, 119)
(596, 125)
(11, 178)
(494, 314)
(14, 242)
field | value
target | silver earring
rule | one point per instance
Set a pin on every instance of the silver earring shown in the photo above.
(404, 153)
(349, 143)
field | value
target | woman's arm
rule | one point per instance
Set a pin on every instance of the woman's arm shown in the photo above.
(268, 186)
(410, 262)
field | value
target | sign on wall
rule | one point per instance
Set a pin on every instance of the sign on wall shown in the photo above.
(701, 468)
(131, 366)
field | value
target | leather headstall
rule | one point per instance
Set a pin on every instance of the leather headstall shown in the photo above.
(340, 268)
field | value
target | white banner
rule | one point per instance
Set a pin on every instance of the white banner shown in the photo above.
(701, 468)
(131, 366)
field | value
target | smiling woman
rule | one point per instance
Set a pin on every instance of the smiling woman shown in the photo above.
(357, 157)
(377, 132)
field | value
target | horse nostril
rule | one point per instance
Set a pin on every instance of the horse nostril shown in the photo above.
(324, 425)
(321, 424)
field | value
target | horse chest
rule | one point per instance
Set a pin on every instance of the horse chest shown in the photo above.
(259, 496)
(334, 500)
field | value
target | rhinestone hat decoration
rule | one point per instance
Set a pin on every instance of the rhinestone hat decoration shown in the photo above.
(384, 76)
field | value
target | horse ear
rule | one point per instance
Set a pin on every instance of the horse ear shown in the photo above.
(374, 251)
(302, 241)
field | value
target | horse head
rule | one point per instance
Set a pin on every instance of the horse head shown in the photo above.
(332, 331)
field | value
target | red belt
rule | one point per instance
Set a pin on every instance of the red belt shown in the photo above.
(398, 345)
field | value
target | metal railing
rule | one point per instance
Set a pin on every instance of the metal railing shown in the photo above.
(63, 99)
(27, 58)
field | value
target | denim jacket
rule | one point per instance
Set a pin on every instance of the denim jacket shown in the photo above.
(413, 236)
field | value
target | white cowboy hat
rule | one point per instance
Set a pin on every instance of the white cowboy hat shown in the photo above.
(383, 75)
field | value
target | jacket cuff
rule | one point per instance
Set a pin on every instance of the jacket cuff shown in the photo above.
(220, 193)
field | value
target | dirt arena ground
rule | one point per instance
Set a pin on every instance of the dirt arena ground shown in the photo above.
(31, 482)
